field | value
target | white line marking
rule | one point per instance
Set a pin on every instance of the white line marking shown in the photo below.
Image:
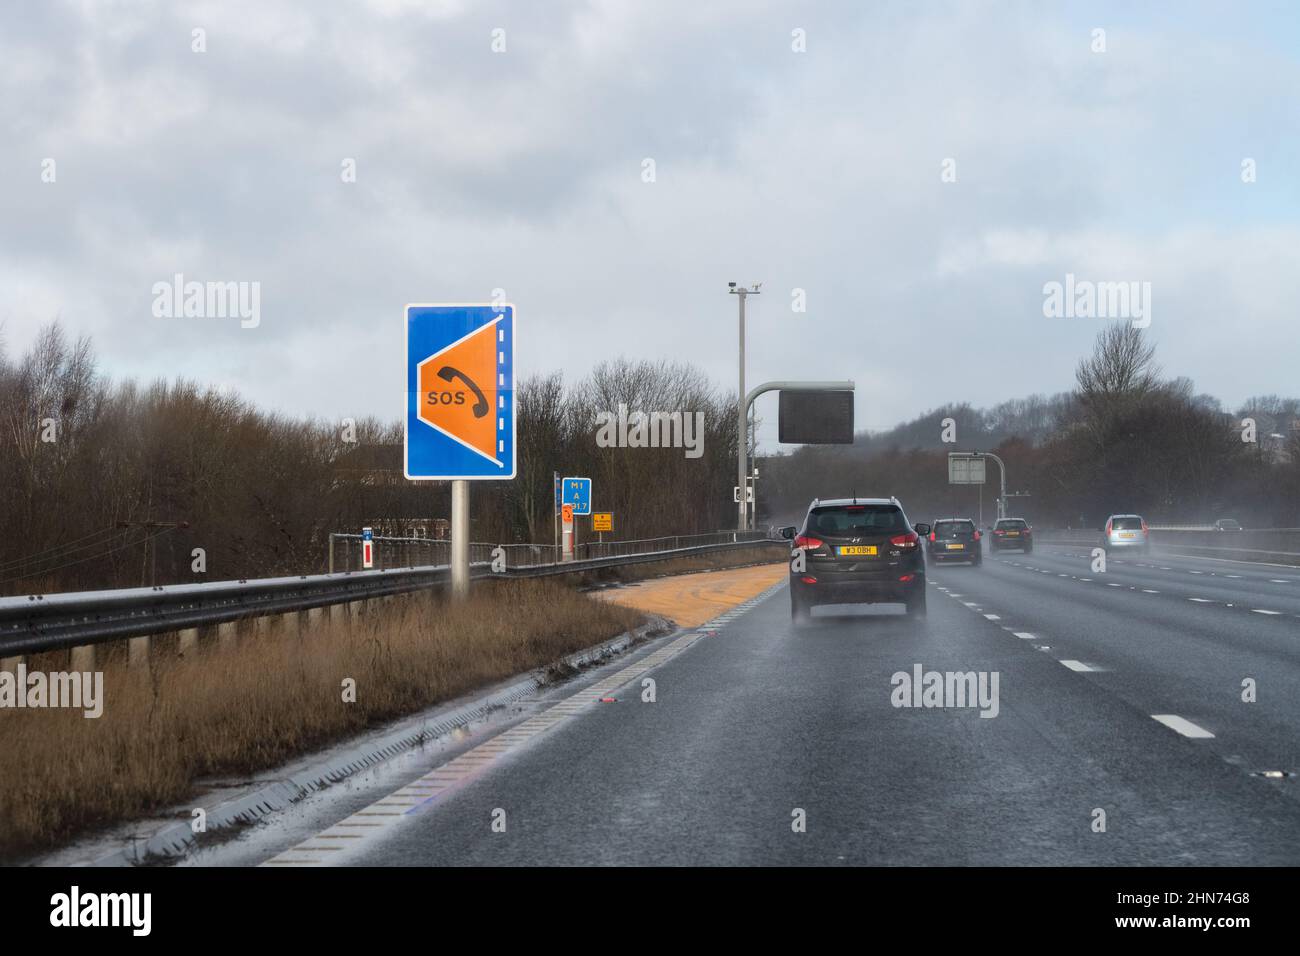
(1279, 581)
(1112, 584)
(993, 617)
(1182, 725)
(1024, 635)
(1149, 591)
(1201, 600)
(1257, 610)
(1078, 666)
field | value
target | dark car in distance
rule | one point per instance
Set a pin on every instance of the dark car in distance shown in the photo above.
(1012, 534)
(954, 539)
(856, 551)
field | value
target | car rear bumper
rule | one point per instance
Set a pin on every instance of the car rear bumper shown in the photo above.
(1114, 544)
(969, 553)
(998, 544)
(848, 589)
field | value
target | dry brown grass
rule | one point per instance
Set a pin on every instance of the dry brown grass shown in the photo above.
(274, 696)
(716, 561)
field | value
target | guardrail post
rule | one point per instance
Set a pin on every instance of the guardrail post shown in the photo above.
(137, 652)
(188, 640)
(83, 657)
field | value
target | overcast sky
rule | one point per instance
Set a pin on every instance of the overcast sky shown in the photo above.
(523, 170)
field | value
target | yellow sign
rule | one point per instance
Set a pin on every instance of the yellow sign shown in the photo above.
(602, 521)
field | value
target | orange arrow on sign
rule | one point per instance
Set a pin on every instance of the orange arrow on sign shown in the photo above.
(458, 391)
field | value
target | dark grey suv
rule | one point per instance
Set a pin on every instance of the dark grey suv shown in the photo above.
(856, 551)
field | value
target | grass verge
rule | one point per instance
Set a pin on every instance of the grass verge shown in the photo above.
(272, 697)
(715, 561)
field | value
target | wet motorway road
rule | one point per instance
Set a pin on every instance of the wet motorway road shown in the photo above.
(1117, 693)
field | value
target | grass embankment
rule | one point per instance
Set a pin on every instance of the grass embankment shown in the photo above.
(272, 697)
(714, 561)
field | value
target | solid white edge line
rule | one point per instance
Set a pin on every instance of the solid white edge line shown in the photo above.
(1183, 726)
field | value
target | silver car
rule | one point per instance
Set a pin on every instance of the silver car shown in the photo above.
(1126, 531)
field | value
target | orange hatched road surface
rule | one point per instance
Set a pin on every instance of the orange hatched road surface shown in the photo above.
(692, 599)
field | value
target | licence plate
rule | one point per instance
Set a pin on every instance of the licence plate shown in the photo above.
(1127, 534)
(858, 550)
(956, 547)
(1013, 534)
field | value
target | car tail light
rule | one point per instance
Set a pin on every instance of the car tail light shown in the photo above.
(977, 535)
(905, 540)
(808, 579)
(932, 536)
(807, 543)
(907, 577)
(1144, 525)
(998, 532)
(1108, 527)
(1027, 531)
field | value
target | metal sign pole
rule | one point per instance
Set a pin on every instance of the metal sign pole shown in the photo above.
(460, 539)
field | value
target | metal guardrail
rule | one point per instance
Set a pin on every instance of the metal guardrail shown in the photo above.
(51, 622)
(395, 552)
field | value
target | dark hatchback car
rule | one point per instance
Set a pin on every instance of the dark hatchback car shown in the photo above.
(1012, 534)
(856, 551)
(954, 539)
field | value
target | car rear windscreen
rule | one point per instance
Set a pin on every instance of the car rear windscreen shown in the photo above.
(1130, 523)
(847, 520)
(1012, 524)
(944, 529)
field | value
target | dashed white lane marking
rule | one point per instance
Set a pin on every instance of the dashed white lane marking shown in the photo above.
(1279, 581)
(1024, 635)
(1079, 666)
(1112, 584)
(1259, 610)
(1201, 600)
(1183, 726)
(1195, 572)
(993, 617)
(970, 603)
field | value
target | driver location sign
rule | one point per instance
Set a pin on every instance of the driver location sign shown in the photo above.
(460, 392)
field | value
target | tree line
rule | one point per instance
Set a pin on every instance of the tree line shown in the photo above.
(1126, 438)
(115, 484)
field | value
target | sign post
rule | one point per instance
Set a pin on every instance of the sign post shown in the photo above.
(460, 407)
(555, 512)
(566, 519)
(575, 492)
(367, 548)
